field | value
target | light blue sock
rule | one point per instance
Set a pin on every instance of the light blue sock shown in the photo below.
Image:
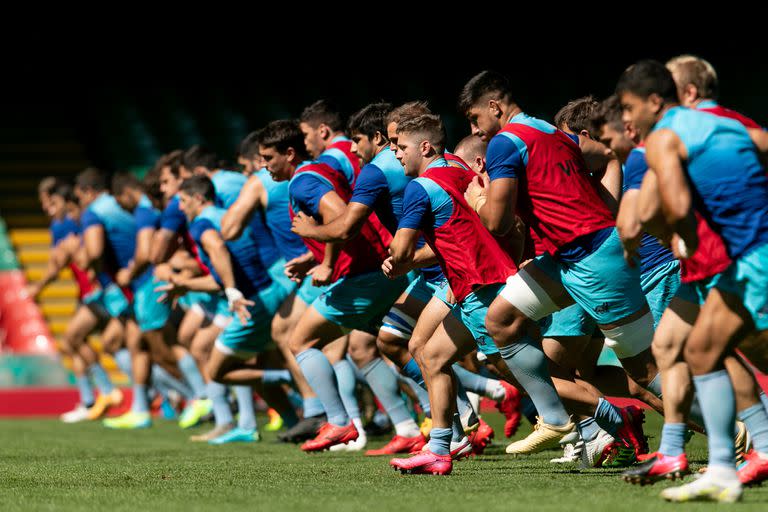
(217, 392)
(528, 364)
(191, 373)
(464, 406)
(756, 420)
(588, 429)
(322, 378)
(313, 407)
(164, 382)
(272, 377)
(345, 376)
(655, 386)
(440, 441)
(246, 416)
(420, 392)
(140, 398)
(470, 380)
(123, 361)
(86, 390)
(718, 404)
(673, 439)
(764, 400)
(457, 429)
(412, 370)
(101, 379)
(608, 416)
(695, 414)
(383, 383)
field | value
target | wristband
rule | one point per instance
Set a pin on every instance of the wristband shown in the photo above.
(233, 294)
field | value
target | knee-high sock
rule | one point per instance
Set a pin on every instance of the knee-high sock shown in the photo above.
(464, 407)
(86, 390)
(190, 371)
(100, 378)
(608, 416)
(123, 361)
(345, 376)
(322, 378)
(479, 384)
(272, 377)
(421, 394)
(756, 420)
(383, 382)
(246, 414)
(140, 399)
(673, 439)
(718, 404)
(313, 407)
(413, 372)
(217, 392)
(528, 364)
(164, 382)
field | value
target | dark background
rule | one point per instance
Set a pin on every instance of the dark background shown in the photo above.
(128, 107)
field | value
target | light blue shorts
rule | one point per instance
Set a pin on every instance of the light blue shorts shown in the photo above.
(660, 284)
(570, 321)
(361, 301)
(421, 289)
(442, 293)
(309, 293)
(149, 313)
(109, 301)
(277, 272)
(602, 283)
(472, 312)
(254, 336)
(747, 279)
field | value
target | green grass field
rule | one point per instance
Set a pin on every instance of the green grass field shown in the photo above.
(45, 465)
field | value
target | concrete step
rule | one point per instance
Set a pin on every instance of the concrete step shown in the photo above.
(21, 237)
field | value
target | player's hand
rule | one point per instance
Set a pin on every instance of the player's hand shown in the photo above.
(681, 249)
(297, 268)
(240, 308)
(303, 225)
(171, 290)
(450, 298)
(393, 270)
(321, 275)
(123, 277)
(477, 190)
(163, 272)
(631, 246)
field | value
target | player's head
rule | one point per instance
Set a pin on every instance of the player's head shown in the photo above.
(62, 201)
(151, 186)
(368, 130)
(645, 90)
(195, 194)
(574, 117)
(420, 140)
(485, 100)
(696, 79)
(127, 190)
(281, 145)
(472, 149)
(404, 111)
(607, 127)
(44, 189)
(171, 173)
(248, 154)
(320, 122)
(89, 184)
(199, 160)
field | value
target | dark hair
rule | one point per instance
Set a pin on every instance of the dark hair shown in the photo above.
(171, 160)
(407, 110)
(151, 185)
(322, 112)
(123, 180)
(249, 147)
(576, 114)
(198, 156)
(648, 77)
(47, 185)
(65, 191)
(370, 119)
(199, 185)
(92, 179)
(608, 111)
(430, 125)
(281, 135)
(485, 82)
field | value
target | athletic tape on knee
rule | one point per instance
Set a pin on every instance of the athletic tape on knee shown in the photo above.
(523, 292)
(630, 339)
(398, 324)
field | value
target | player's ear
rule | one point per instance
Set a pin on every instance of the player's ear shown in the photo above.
(325, 131)
(425, 147)
(656, 102)
(495, 108)
(379, 139)
(290, 154)
(690, 94)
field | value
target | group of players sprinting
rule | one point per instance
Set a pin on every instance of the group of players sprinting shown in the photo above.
(513, 268)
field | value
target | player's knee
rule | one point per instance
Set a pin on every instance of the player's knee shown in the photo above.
(503, 325)
(665, 351)
(436, 360)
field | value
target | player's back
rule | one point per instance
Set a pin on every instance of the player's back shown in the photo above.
(278, 218)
